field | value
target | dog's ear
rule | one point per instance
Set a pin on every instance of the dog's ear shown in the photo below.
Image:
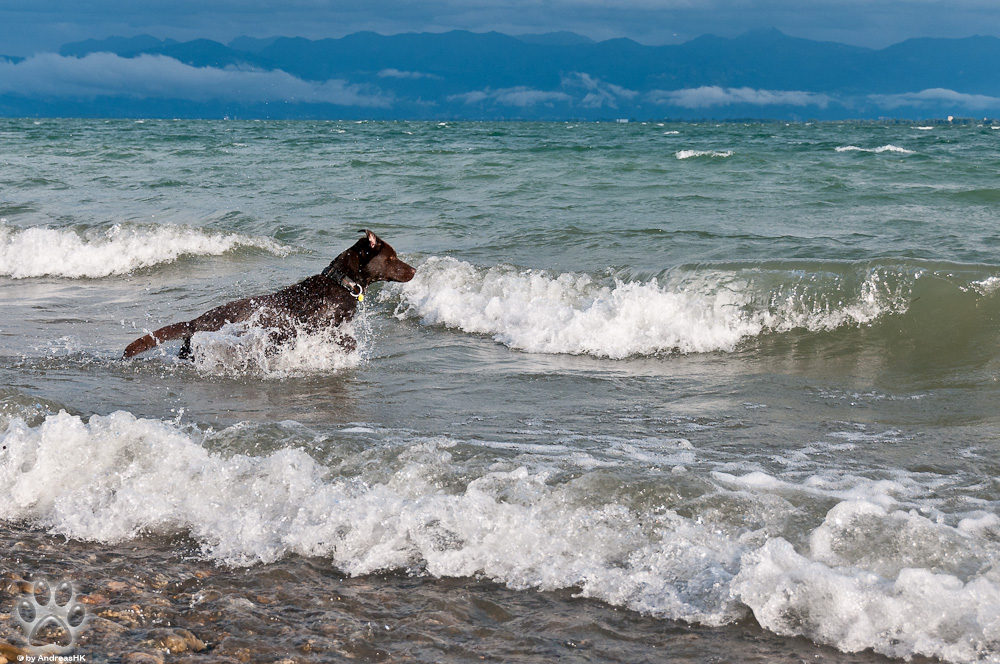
(372, 238)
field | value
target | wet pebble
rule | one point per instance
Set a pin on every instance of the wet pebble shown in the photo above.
(174, 640)
(127, 616)
(142, 658)
(99, 625)
(116, 586)
(209, 595)
(11, 653)
(93, 598)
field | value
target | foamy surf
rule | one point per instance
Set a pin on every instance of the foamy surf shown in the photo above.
(693, 154)
(879, 150)
(244, 349)
(690, 312)
(249, 349)
(913, 610)
(879, 567)
(120, 249)
(812, 482)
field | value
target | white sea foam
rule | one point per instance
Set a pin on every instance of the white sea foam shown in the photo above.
(986, 286)
(251, 349)
(118, 476)
(878, 150)
(873, 572)
(896, 582)
(38, 252)
(240, 349)
(569, 313)
(690, 154)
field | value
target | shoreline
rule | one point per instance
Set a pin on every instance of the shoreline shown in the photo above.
(150, 601)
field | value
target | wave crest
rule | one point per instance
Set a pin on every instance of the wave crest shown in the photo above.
(872, 570)
(120, 249)
(879, 150)
(692, 311)
(692, 154)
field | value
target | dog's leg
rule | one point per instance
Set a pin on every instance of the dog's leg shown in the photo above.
(185, 352)
(348, 343)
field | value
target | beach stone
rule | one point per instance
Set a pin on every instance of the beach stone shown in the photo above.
(194, 643)
(237, 648)
(210, 595)
(99, 625)
(239, 654)
(93, 598)
(159, 581)
(238, 603)
(129, 616)
(119, 587)
(175, 640)
(142, 658)
(16, 588)
(12, 653)
(155, 611)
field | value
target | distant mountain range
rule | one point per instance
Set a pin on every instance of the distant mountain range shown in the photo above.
(464, 75)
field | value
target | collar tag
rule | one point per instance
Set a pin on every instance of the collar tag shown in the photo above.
(354, 288)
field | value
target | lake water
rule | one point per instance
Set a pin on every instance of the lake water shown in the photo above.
(658, 392)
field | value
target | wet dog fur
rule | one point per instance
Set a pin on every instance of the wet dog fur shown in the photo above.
(320, 301)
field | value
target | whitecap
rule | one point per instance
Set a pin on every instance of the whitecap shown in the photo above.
(879, 150)
(60, 252)
(878, 571)
(691, 154)
(569, 313)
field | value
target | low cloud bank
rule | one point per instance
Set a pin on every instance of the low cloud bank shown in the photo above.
(711, 96)
(936, 97)
(520, 96)
(160, 77)
(391, 93)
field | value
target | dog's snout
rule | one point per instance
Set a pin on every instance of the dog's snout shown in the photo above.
(406, 271)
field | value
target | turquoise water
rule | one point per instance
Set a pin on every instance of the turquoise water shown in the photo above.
(700, 389)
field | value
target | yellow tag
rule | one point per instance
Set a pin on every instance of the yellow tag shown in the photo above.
(361, 298)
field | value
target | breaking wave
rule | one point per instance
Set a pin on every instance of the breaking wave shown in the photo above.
(876, 565)
(691, 154)
(120, 249)
(879, 150)
(693, 309)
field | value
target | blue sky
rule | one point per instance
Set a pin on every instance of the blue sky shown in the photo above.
(34, 26)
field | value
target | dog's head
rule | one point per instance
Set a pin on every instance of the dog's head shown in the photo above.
(372, 259)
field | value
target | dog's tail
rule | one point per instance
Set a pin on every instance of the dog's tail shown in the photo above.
(142, 344)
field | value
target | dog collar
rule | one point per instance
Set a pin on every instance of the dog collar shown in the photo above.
(356, 290)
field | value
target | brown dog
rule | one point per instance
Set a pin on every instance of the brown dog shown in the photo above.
(322, 300)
